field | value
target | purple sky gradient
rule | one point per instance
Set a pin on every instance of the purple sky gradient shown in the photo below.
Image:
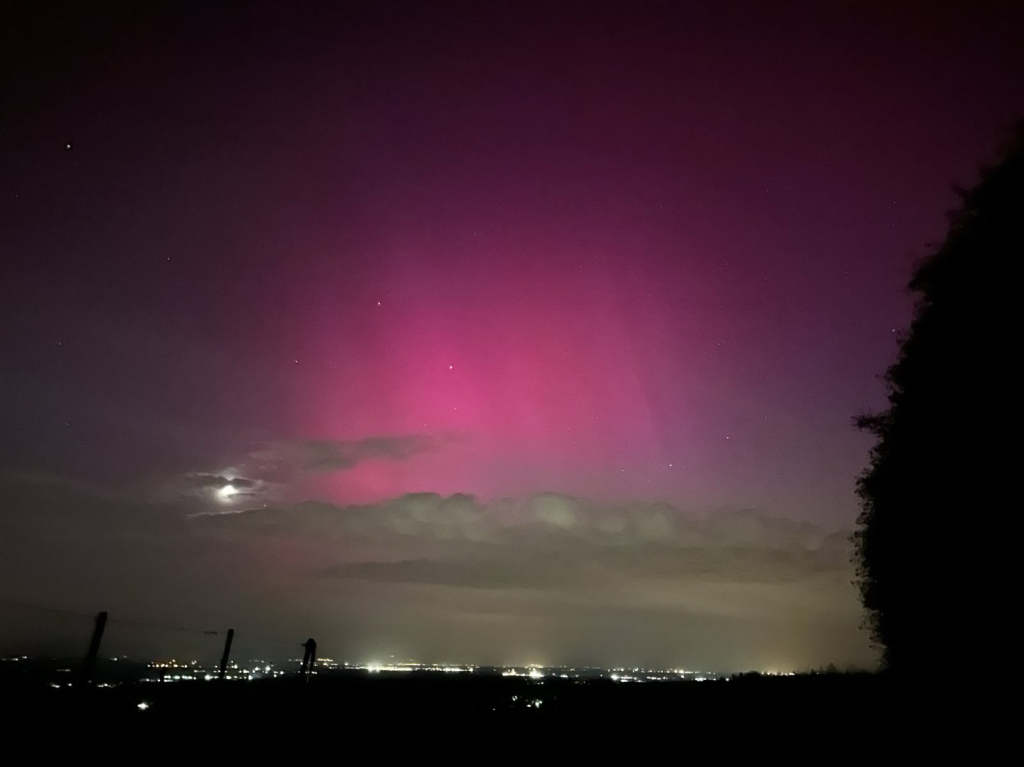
(622, 251)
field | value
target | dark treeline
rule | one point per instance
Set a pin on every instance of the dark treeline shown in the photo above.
(936, 491)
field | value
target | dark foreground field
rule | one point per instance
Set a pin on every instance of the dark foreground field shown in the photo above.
(824, 719)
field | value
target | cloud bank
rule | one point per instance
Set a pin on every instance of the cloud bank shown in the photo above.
(580, 580)
(545, 578)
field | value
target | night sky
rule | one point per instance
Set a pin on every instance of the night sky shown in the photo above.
(483, 332)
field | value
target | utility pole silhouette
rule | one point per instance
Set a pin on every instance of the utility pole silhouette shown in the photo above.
(226, 655)
(308, 658)
(94, 645)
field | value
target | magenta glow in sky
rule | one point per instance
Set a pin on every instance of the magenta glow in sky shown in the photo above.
(645, 262)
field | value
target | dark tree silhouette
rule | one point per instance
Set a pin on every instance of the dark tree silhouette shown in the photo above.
(941, 468)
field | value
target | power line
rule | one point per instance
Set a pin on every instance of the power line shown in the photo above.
(268, 639)
(143, 624)
(164, 626)
(45, 608)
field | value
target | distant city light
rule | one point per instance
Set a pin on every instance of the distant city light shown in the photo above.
(179, 672)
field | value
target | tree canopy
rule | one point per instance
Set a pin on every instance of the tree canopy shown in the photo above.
(934, 494)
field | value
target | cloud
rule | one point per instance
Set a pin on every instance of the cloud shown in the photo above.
(216, 488)
(544, 578)
(550, 541)
(647, 582)
(51, 481)
(268, 476)
(219, 481)
(319, 455)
